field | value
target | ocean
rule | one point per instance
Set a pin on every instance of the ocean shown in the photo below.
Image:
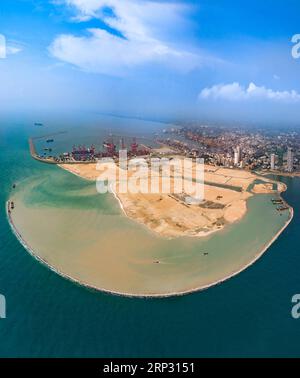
(49, 316)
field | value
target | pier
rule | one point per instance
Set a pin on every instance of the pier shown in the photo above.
(35, 155)
(86, 155)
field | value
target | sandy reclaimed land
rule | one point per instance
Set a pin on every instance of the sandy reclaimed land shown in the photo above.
(263, 188)
(170, 216)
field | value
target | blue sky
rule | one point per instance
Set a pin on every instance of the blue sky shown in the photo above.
(216, 60)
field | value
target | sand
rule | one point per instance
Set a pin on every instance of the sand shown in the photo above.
(263, 188)
(168, 214)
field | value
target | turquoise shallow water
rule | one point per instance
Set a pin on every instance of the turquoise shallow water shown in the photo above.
(85, 236)
(49, 316)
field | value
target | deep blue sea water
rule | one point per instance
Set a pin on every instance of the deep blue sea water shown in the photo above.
(48, 316)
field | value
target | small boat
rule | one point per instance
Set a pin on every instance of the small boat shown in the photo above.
(12, 205)
(205, 254)
(277, 201)
(282, 208)
(38, 124)
(50, 140)
(14, 186)
(156, 262)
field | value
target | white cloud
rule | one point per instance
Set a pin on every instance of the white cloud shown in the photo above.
(12, 50)
(141, 27)
(237, 92)
(8, 48)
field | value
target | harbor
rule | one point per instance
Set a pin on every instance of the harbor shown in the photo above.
(283, 206)
(82, 154)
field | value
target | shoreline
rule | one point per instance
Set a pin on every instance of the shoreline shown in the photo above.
(150, 295)
(155, 233)
(279, 173)
(198, 235)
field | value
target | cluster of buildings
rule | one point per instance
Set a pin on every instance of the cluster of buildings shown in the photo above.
(256, 149)
(241, 148)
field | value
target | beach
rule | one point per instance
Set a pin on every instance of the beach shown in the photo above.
(167, 214)
(140, 295)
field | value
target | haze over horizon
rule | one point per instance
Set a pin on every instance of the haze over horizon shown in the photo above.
(220, 62)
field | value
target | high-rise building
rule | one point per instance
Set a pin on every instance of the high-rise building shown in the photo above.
(237, 155)
(273, 161)
(236, 158)
(290, 160)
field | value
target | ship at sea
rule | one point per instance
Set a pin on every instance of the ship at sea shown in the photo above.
(38, 124)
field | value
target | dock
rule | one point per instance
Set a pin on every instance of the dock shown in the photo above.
(282, 208)
(277, 201)
(35, 155)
